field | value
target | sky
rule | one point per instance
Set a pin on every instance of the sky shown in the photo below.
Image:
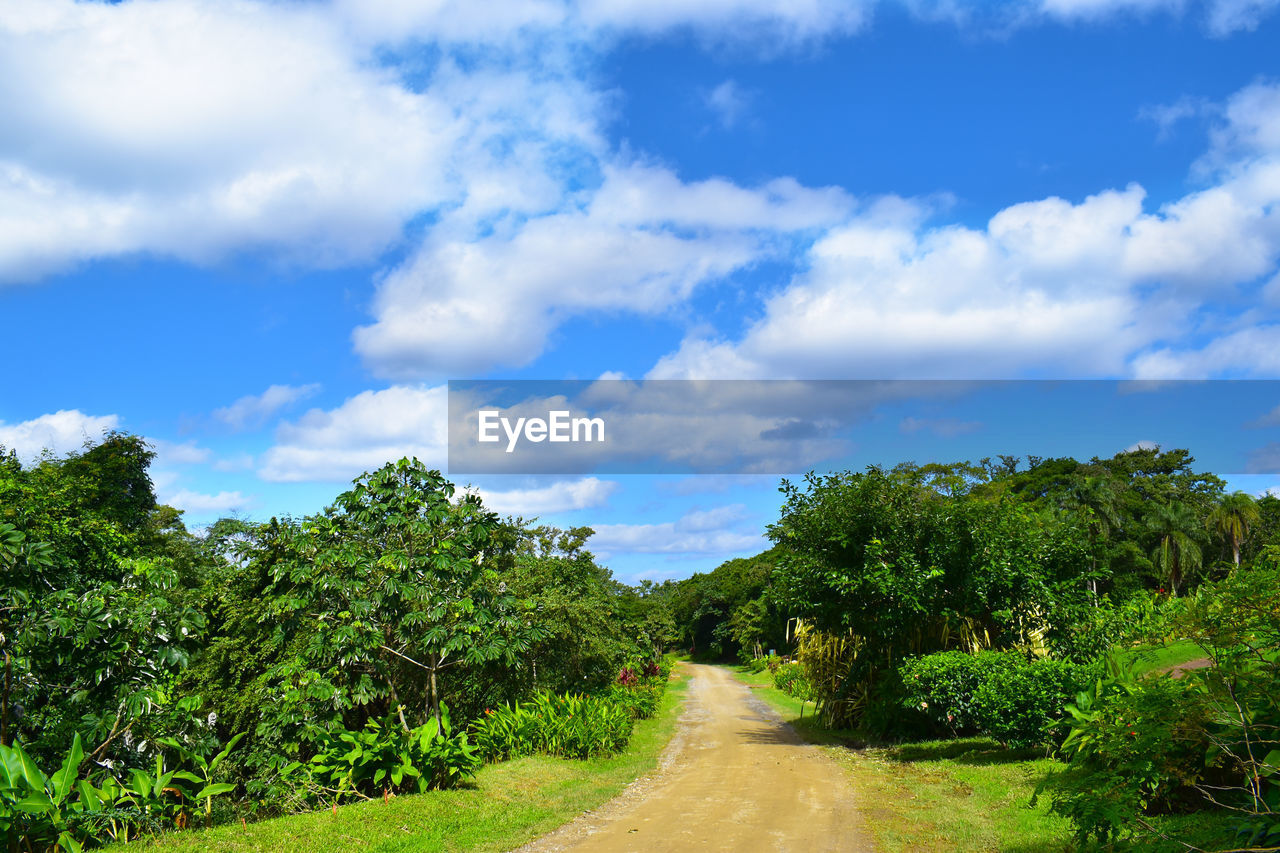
(265, 235)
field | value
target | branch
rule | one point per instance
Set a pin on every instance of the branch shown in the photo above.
(406, 657)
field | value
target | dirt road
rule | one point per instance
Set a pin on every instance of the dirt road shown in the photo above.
(734, 778)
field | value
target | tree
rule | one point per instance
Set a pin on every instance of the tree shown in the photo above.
(388, 589)
(1233, 518)
(1176, 553)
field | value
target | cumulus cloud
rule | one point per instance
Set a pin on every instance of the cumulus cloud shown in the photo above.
(1048, 287)
(254, 410)
(178, 453)
(195, 128)
(364, 433)
(562, 496)
(60, 432)
(728, 102)
(643, 242)
(715, 531)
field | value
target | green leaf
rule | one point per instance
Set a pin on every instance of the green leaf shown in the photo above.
(67, 773)
(36, 802)
(30, 772)
(214, 790)
(66, 840)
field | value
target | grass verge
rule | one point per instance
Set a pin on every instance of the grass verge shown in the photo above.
(508, 804)
(968, 794)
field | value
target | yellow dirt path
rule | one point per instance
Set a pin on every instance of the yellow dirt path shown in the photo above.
(735, 777)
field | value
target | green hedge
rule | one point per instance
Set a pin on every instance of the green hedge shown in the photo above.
(1000, 694)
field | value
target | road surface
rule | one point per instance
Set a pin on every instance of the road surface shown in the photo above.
(735, 777)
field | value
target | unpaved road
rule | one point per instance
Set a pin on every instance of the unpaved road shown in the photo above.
(735, 777)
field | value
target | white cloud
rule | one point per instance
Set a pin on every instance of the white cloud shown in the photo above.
(61, 432)
(200, 504)
(716, 531)
(193, 128)
(254, 410)
(562, 496)
(1167, 116)
(1253, 351)
(786, 22)
(1142, 444)
(729, 103)
(364, 433)
(1102, 287)
(643, 242)
(1220, 17)
(175, 453)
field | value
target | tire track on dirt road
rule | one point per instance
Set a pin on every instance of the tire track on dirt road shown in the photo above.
(735, 777)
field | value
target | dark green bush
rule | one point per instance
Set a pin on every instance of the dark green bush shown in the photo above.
(1015, 705)
(1000, 694)
(942, 687)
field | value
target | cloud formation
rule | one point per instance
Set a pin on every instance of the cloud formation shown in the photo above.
(364, 433)
(60, 432)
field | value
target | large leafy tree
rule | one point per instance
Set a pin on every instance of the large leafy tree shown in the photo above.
(386, 591)
(95, 622)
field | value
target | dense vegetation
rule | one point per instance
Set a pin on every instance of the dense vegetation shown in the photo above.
(155, 679)
(1004, 599)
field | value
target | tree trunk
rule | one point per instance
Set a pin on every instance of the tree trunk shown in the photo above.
(435, 696)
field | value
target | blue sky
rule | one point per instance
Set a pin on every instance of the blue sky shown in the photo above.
(263, 235)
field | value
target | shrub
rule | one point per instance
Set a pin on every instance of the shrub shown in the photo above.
(1134, 747)
(1000, 694)
(385, 757)
(1015, 705)
(571, 726)
(642, 700)
(942, 686)
(790, 679)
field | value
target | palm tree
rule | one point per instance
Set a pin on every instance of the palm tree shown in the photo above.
(1232, 518)
(1095, 499)
(1176, 553)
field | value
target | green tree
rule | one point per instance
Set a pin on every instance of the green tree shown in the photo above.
(1176, 553)
(390, 589)
(1234, 516)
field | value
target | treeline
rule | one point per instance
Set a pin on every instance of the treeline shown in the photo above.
(155, 678)
(1005, 598)
(1024, 535)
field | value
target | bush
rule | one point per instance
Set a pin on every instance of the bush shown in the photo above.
(384, 757)
(1135, 747)
(941, 687)
(571, 726)
(642, 700)
(770, 662)
(1000, 694)
(790, 679)
(1015, 705)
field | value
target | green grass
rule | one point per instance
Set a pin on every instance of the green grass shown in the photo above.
(963, 795)
(509, 804)
(1161, 658)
